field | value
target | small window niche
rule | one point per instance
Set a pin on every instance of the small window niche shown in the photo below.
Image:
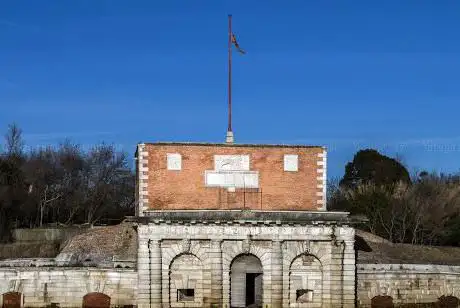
(304, 296)
(185, 295)
(291, 162)
(174, 161)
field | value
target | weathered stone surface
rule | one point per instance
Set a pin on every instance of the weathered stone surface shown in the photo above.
(174, 258)
(407, 283)
(41, 286)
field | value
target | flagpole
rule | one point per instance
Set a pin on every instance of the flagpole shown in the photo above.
(229, 138)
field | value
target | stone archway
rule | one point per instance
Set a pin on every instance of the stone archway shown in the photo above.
(12, 300)
(246, 281)
(186, 281)
(306, 281)
(96, 300)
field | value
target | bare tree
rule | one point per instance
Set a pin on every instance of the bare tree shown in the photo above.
(13, 139)
(62, 184)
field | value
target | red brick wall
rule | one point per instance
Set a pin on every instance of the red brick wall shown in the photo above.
(278, 189)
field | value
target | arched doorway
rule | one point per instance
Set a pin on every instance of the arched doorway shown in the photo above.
(306, 281)
(96, 300)
(12, 300)
(246, 284)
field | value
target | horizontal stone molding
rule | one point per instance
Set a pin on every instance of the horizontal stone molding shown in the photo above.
(407, 268)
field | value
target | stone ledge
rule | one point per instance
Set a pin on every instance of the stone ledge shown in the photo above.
(407, 268)
(245, 216)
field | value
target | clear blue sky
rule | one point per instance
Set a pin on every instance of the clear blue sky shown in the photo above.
(345, 74)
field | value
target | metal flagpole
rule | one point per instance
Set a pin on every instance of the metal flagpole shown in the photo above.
(229, 138)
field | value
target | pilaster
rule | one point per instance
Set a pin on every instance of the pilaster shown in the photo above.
(277, 274)
(155, 273)
(215, 255)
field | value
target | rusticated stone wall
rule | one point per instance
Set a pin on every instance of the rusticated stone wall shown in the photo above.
(287, 254)
(40, 287)
(297, 265)
(406, 283)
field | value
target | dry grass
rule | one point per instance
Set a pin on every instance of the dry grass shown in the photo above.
(376, 250)
(100, 244)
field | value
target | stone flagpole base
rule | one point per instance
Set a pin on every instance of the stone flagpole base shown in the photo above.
(229, 138)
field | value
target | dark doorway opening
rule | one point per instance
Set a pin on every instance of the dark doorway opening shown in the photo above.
(253, 289)
(185, 295)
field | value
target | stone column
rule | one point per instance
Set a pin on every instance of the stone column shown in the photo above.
(215, 255)
(277, 274)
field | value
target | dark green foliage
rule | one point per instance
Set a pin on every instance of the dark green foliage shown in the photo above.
(371, 166)
(425, 210)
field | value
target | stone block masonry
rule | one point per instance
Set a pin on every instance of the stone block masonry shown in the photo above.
(406, 283)
(40, 287)
(199, 264)
(217, 263)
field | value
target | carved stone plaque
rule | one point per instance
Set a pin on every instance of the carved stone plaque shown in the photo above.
(242, 179)
(231, 162)
(174, 161)
(291, 162)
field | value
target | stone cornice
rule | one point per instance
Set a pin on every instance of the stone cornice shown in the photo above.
(242, 217)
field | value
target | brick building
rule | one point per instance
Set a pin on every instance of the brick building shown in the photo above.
(239, 225)
(183, 176)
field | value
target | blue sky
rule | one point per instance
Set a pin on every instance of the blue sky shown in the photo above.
(345, 74)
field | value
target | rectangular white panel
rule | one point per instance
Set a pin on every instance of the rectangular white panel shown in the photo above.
(174, 161)
(291, 162)
(231, 162)
(238, 179)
